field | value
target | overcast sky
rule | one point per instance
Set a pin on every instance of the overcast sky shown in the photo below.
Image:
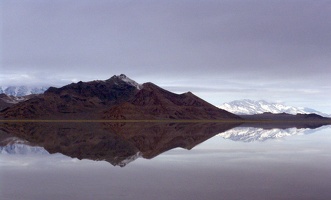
(219, 50)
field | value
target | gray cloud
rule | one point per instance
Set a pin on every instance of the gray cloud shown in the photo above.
(227, 45)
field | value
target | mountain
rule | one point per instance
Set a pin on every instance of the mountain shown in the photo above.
(250, 107)
(116, 98)
(19, 91)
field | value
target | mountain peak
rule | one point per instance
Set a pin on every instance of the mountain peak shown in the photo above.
(124, 78)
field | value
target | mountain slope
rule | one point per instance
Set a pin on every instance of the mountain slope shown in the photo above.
(153, 102)
(8, 100)
(250, 107)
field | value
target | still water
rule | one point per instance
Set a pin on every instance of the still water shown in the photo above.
(167, 161)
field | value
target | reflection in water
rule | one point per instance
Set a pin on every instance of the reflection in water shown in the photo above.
(251, 134)
(122, 143)
(297, 168)
(116, 143)
(14, 145)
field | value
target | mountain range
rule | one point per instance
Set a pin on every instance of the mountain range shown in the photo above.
(19, 91)
(251, 107)
(121, 98)
(118, 97)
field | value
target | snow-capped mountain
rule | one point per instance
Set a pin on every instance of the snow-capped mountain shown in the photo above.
(250, 107)
(15, 146)
(250, 134)
(126, 79)
(19, 91)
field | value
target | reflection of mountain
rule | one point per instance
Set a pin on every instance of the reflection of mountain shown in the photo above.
(14, 145)
(250, 134)
(263, 132)
(122, 143)
(117, 143)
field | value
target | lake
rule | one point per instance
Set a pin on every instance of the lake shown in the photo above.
(164, 161)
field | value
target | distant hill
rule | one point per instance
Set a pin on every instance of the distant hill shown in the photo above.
(116, 98)
(284, 116)
(250, 107)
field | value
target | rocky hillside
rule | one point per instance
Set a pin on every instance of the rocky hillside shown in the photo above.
(8, 100)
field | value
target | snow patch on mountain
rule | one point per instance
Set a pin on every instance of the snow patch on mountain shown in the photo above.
(19, 91)
(130, 81)
(250, 107)
(125, 79)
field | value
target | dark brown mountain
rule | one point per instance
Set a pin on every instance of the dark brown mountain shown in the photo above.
(5, 101)
(82, 100)
(116, 98)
